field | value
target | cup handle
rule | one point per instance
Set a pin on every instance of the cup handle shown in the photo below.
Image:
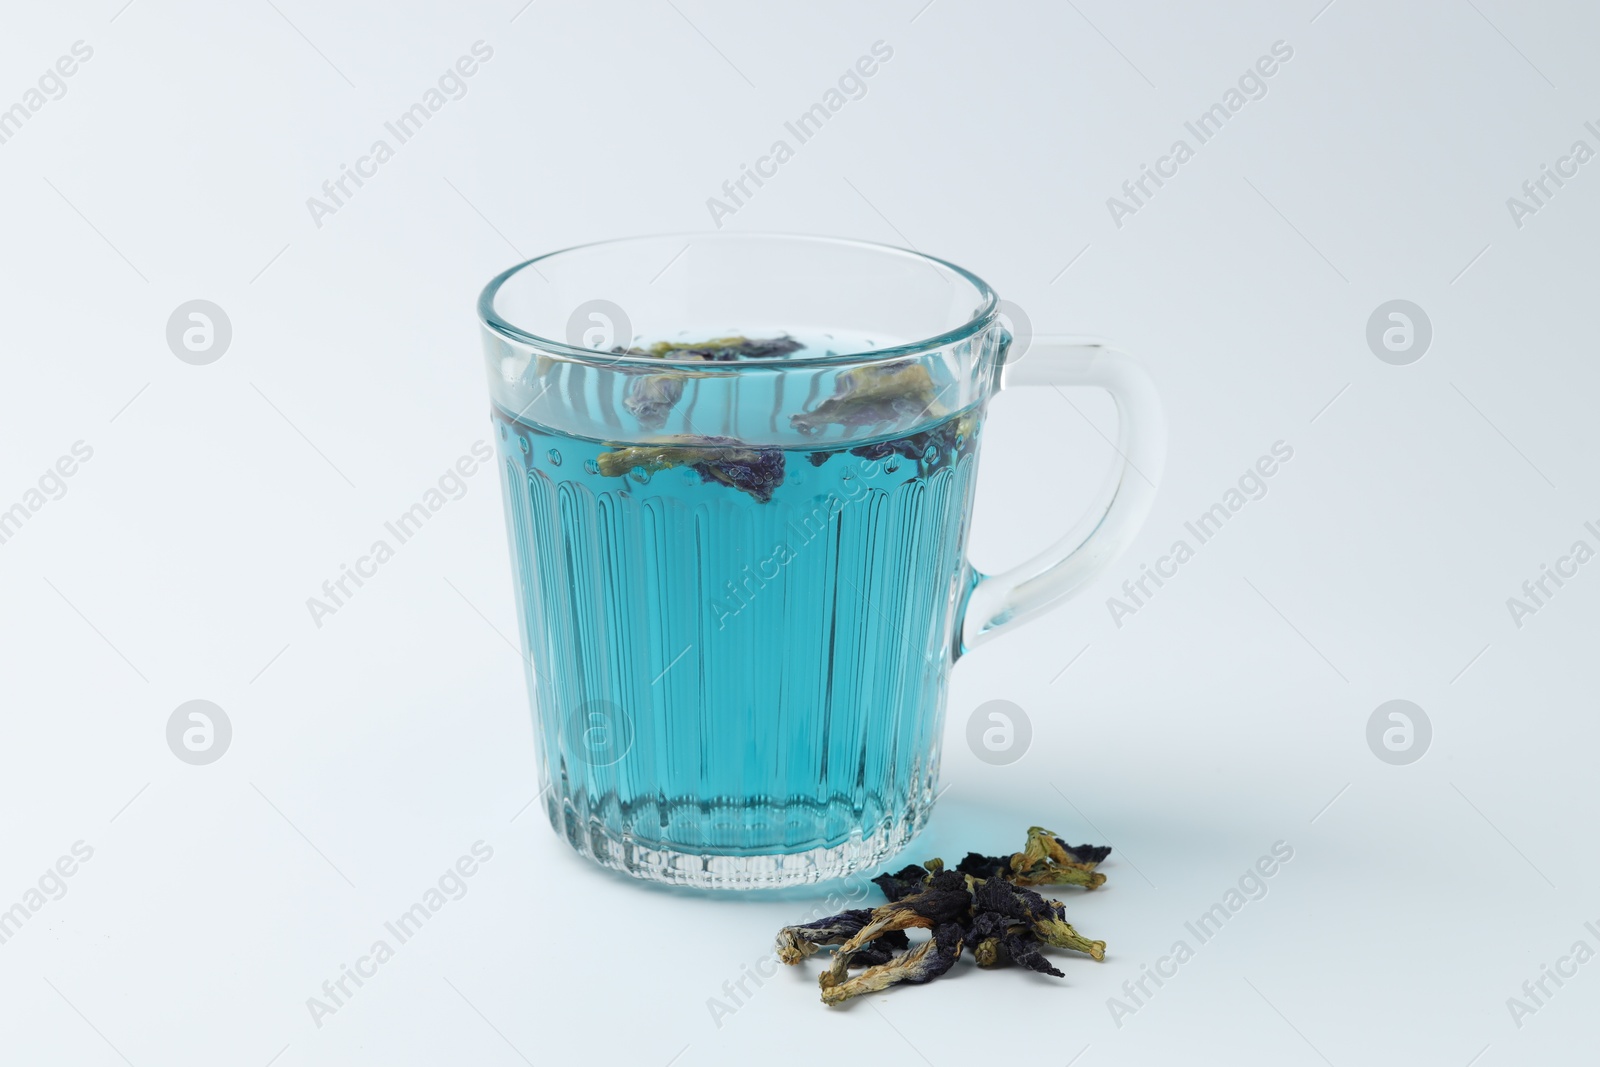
(1002, 600)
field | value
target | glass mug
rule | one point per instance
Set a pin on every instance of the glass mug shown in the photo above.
(738, 473)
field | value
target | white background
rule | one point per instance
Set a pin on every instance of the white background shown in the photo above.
(1228, 714)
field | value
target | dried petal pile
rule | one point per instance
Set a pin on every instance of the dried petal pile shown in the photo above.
(983, 904)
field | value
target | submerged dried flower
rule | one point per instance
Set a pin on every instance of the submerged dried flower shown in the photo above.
(867, 396)
(932, 448)
(757, 471)
(983, 903)
(651, 397)
(718, 349)
(897, 393)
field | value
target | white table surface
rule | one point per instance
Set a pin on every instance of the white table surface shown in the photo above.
(1228, 714)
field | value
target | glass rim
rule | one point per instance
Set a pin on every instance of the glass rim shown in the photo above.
(979, 321)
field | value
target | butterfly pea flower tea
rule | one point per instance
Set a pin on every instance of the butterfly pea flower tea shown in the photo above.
(738, 484)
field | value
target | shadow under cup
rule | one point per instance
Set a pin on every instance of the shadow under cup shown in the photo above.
(739, 580)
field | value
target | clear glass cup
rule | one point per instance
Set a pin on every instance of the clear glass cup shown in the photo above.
(742, 582)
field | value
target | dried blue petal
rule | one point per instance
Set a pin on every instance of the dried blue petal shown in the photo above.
(1090, 854)
(882, 950)
(981, 866)
(999, 897)
(1023, 949)
(903, 883)
(756, 471)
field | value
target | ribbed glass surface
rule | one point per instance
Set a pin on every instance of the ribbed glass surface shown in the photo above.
(729, 690)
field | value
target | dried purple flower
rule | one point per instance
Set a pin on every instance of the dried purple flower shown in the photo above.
(870, 395)
(1045, 860)
(757, 471)
(651, 397)
(922, 964)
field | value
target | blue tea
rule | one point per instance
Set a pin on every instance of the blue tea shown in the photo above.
(738, 474)
(740, 651)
